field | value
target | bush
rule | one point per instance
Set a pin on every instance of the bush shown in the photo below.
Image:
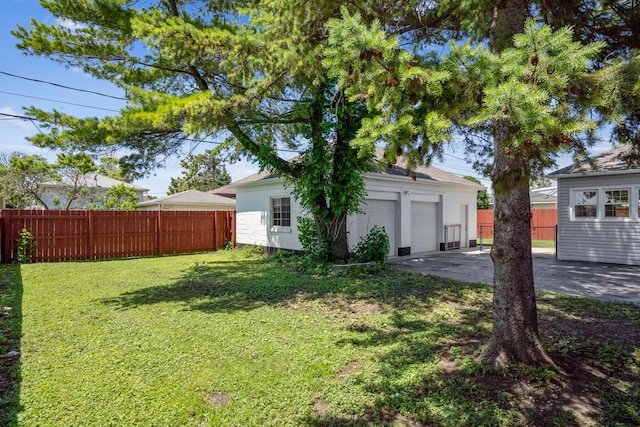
(374, 246)
(311, 244)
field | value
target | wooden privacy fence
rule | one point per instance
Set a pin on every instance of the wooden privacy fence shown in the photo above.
(543, 224)
(81, 235)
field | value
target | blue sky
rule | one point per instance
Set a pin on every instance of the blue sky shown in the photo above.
(16, 93)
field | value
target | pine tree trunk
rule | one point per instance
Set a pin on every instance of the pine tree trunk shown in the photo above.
(515, 318)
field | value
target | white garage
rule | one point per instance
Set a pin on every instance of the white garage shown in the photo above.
(424, 226)
(413, 210)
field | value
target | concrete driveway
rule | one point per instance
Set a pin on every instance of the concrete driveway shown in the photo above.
(593, 280)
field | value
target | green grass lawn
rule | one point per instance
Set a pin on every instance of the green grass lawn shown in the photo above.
(235, 339)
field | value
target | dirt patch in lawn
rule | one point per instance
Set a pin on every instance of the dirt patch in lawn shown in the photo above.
(349, 369)
(217, 399)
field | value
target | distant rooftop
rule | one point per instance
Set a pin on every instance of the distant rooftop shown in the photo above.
(191, 197)
(617, 159)
(544, 195)
(398, 169)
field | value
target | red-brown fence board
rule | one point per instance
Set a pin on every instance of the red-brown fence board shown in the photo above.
(74, 235)
(543, 224)
(123, 234)
(188, 231)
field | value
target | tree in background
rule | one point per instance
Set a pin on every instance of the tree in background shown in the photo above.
(110, 166)
(540, 182)
(201, 172)
(74, 171)
(483, 195)
(617, 23)
(119, 197)
(20, 179)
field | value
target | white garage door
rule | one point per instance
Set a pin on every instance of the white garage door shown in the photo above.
(381, 213)
(424, 225)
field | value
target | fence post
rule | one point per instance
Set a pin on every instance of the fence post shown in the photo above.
(2, 234)
(159, 233)
(91, 251)
(216, 224)
(232, 219)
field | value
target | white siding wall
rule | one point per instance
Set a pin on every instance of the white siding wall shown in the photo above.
(253, 217)
(452, 213)
(610, 240)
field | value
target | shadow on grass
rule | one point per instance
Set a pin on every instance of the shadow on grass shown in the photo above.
(213, 287)
(598, 343)
(244, 285)
(416, 381)
(601, 386)
(10, 335)
(424, 372)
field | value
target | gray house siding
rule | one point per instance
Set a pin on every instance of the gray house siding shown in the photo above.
(600, 239)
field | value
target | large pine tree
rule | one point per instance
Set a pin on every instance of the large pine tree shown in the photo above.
(247, 72)
(517, 93)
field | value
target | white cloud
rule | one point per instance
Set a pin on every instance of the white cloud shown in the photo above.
(6, 121)
(70, 24)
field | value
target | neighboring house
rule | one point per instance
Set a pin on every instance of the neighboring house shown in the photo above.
(414, 213)
(226, 191)
(540, 198)
(96, 184)
(190, 200)
(544, 198)
(598, 211)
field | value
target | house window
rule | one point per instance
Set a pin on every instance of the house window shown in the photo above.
(586, 203)
(281, 212)
(616, 203)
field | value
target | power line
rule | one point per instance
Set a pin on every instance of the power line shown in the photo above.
(26, 118)
(59, 102)
(62, 86)
(17, 117)
(455, 157)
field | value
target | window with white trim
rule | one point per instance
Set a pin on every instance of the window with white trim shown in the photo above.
(281, 211)
(616, 203)
(585, 203)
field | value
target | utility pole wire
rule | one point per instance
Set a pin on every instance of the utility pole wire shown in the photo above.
(62, 86)
(59, 102)
(18, 117)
